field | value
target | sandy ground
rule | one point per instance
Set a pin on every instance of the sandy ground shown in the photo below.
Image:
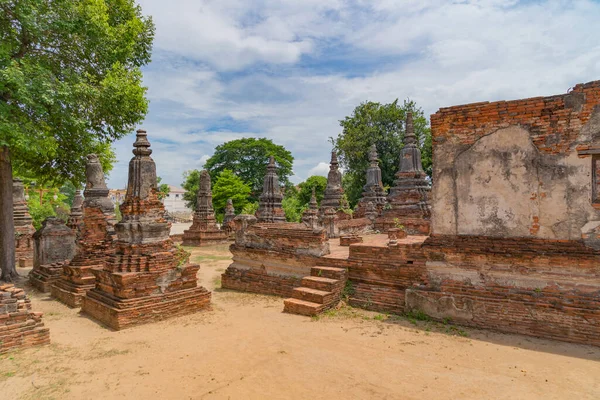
(246, 348)
(178, 227)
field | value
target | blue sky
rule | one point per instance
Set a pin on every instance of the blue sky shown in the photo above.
(290, 70)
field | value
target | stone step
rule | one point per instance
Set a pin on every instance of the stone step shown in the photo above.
(313, 295)
(328, 272)
(320, 283)
(301, 307)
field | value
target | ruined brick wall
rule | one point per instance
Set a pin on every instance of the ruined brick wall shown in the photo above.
(379, 276)
(512, 168)
(537, 287)
(19, 326)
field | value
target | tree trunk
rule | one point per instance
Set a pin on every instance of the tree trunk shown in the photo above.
(7, 226)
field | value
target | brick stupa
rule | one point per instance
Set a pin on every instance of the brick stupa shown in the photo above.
(409, 197)
(94, 241)
(24, 229)
(334, 192)
(373, 191)
(148, 278)
(310, 217)
(204, 230)
(54, 247)
(269, 202)
(76, 216)
(228, 224)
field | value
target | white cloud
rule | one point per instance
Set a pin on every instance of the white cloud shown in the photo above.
(290, 70)
(321, 169)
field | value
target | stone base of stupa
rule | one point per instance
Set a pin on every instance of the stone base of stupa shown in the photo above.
(204, 238)
(73, 284)
(117, 313)
(43, 277)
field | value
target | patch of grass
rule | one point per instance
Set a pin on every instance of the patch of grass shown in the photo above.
(380, 317)
(416, 315)
(217, 281)
(348, 290)
(9, 374)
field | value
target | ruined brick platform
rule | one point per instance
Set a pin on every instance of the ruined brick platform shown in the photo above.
(43, 277)
(19, 326)
(118, 314)
(272, 258)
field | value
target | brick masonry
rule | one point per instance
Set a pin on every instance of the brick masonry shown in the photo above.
(19, 326)
(272, 258)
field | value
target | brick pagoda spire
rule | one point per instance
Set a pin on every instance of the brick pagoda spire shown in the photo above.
(94, 240)
(311, 216)
(229, 212)
(373, 191)
(333, 192)
(204, 229)
(24, 229)
(409, 197)
(147, 278)
(269, 203)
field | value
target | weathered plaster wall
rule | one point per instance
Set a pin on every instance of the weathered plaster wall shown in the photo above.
(512, 169)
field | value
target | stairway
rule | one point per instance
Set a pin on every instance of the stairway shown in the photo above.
(319, 292)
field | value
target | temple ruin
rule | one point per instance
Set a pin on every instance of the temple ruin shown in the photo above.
(94, 241)
(204, 229)
(24, 229)
(147, 278)
(501, 242)
(54, 247)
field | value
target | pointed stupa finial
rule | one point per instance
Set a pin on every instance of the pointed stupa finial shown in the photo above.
(334, 159)
(271, 162)
(409, 136)
(141, 147)
(373, 154)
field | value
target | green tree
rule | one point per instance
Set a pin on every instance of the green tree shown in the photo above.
(229, 186)
(292, 208)
(319, 183)
(70, 84)
(191, 184)
(382, 125)
(163, 188)
(248, 158)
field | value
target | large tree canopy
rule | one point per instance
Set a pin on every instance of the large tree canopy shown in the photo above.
(70, 84)
(247, 158)
(70, 81)
(382, 125)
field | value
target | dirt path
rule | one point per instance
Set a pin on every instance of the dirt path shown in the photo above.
(246, 348)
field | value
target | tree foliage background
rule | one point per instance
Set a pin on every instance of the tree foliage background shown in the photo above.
(229, 186)
(382, 125)
(248, 158)
(70, 84)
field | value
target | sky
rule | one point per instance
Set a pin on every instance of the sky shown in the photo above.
(289, 70)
